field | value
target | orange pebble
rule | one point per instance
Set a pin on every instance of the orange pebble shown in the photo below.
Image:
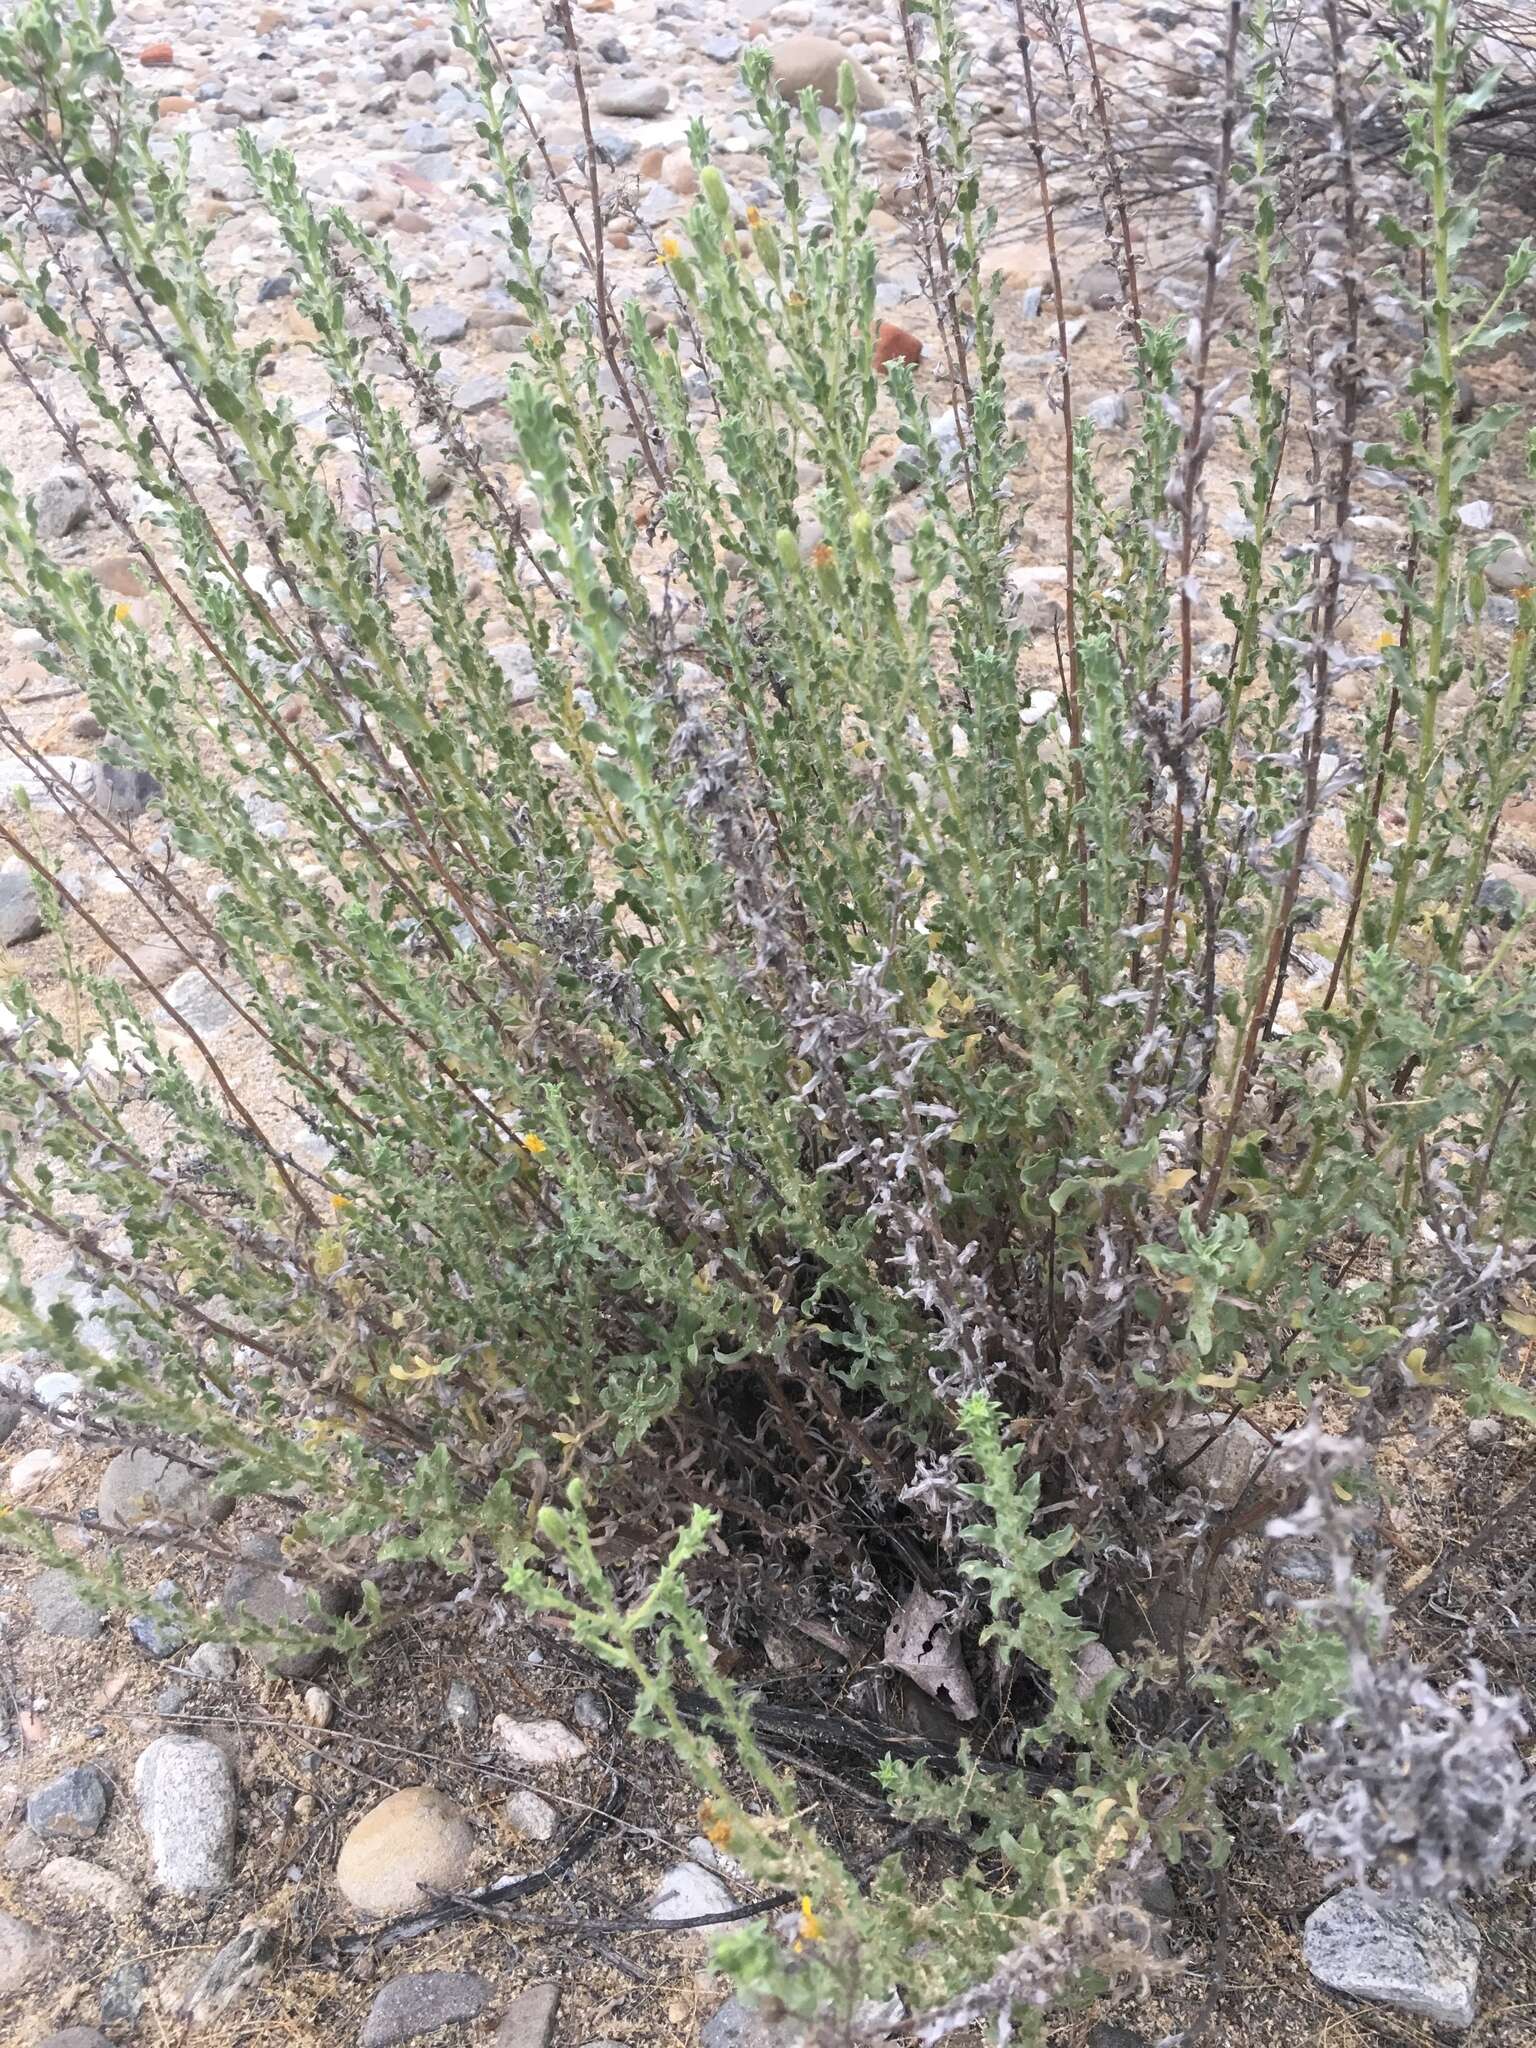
(157, 55)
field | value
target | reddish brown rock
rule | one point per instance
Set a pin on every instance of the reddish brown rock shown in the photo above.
(413, 181)
(157, 56)
(894, 344)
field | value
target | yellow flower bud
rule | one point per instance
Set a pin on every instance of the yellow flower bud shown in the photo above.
(712, 185)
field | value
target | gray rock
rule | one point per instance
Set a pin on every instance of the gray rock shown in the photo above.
(276, 287)
(420, 2003)
(515, 660)
(1420, 1958)
(438, 324)
(61, 1610)
(157, 1631)
(1109, 412)
(1508, 891)
(436, 168)
(1106, 2035)
(436, 474)
(1099, 286)
(722, 49)
(1511, 568)
(71, 1807)
(142, 1489)
(424, 136)
(25, 1952)
(122, 1996)
(24, 1855)
(633, 99)
(658, 205)
(121, 792)
(735, 2025)
(612, 148)
(67, 1288)
(63, 504)
(76, 2037)
(529, 2021)
(1301, 1565)
(186, 1795)
(198, 1003)
(591, 1712)
(462, 1709)
(1218, 1456)
(213, 1663)
(21, 916)
(261, 1590)
(1501, 897)
(237, 1968)
(479, 393)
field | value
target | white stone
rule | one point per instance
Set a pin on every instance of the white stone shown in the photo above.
(530, 1816)
(54, 1389)
(537, 1744)
(30, 1470)
(688, 1892)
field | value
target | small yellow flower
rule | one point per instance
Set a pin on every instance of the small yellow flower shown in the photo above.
(340, 1204)
(715, 1826)
(754, 217)
(810, 1926)
(532, 1142)
(1384, 641)
(669, 248)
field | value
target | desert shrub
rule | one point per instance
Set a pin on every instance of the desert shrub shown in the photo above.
(823, 1112)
